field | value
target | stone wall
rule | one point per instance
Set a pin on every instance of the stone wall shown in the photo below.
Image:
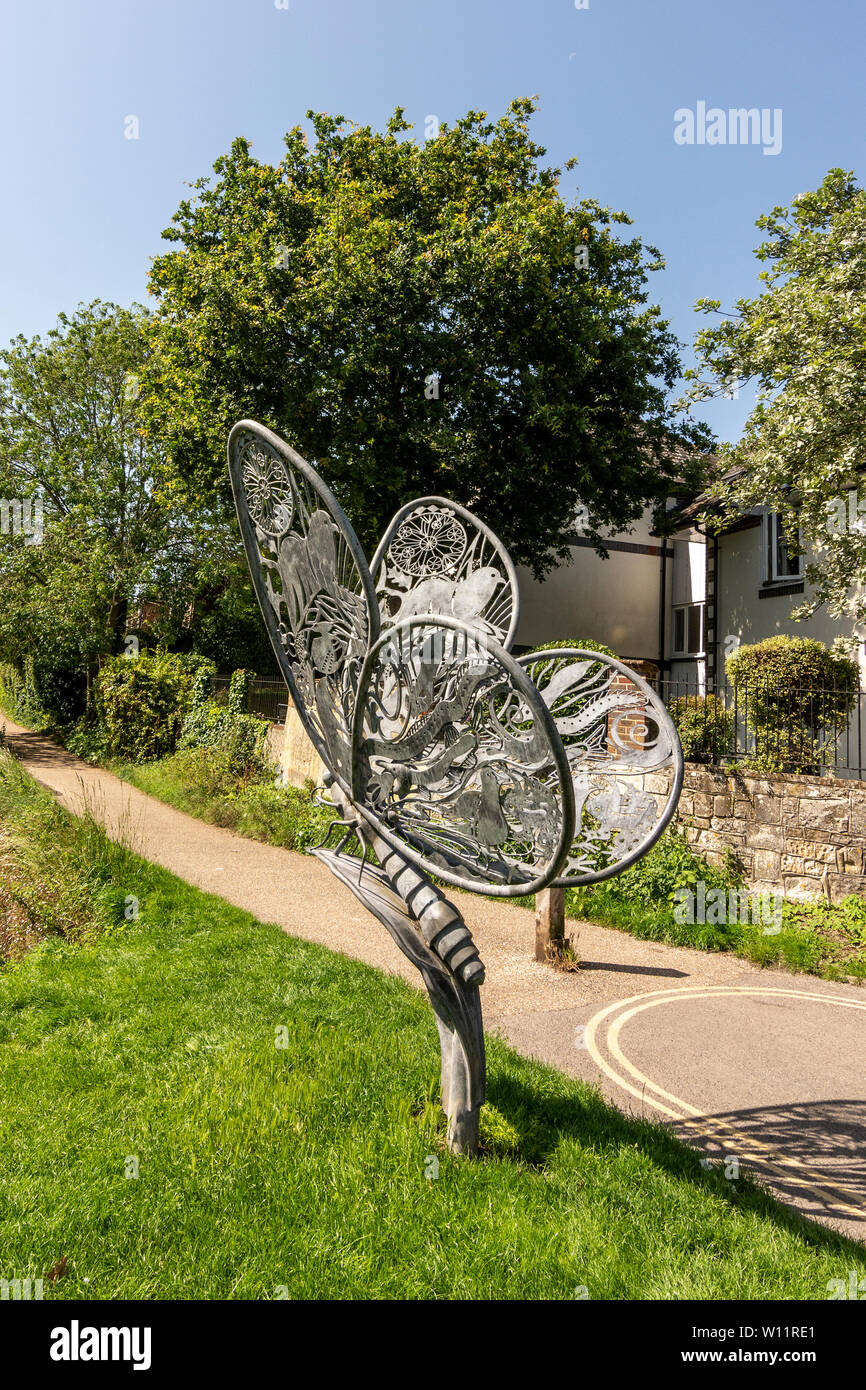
(297, 757)
(801, 836)
(804, 837)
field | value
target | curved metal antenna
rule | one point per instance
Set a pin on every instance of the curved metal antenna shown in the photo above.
(436, 557)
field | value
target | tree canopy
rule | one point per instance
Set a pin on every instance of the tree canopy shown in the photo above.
(420, 319)
(74, 452)
(803, 340)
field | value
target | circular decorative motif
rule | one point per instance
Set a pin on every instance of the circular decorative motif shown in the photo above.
(431, 542)
(268, 491)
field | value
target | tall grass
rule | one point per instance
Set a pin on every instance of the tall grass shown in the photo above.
(205, 782)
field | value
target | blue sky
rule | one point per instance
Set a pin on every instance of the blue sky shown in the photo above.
(84, 206)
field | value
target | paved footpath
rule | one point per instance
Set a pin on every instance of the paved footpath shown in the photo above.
(758, 1066)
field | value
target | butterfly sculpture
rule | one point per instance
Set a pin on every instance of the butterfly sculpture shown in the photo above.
(448, 758)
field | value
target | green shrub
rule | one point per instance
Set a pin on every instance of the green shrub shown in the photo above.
(795, 695)
(282, 816)
(584, 643)
(760, 762)
(705, 727)
(86, 739)
(226, 728)
(141, 702)
(205, 783)
(44, 683)
(672, 864)
(201, 688)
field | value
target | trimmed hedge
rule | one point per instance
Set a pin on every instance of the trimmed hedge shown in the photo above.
(584, 643)
(795, 694)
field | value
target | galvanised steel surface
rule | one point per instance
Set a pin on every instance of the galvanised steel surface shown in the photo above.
(457, 761)
(446, 756)
(312, 584)
(621, 748)
(436, 557)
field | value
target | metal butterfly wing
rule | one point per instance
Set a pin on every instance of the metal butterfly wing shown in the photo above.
(624, 756)
(446, 756)
(433, 732)
(312, 583)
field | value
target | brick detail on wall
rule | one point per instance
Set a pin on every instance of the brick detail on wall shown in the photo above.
(801, 836)
(630, 729)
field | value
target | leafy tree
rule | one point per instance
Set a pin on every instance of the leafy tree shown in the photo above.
(803, 340)
(420, 319)
(112, 532)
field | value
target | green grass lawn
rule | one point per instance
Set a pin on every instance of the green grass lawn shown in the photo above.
(150, 1045)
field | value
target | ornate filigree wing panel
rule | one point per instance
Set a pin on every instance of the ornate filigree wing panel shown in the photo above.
(436, 557)
(312, 583)
(457, 762)
(624, 756)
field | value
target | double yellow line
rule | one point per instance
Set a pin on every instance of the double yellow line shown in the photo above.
(793, 1171)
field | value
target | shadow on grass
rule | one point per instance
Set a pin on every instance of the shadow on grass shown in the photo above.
(543, 1119)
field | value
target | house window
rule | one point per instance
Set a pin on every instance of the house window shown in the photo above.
(689, 630)
(778, 564)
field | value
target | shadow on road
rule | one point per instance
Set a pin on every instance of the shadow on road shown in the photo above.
(633, 969)
(827, 1137)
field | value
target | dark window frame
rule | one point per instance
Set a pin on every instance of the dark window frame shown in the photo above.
(687, 616)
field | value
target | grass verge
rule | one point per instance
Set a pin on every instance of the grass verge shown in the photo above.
(811, 938)
(203, 782)
(818, 939)
(197, 1106)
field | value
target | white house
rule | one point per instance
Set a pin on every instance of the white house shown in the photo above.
(677, 606)
(646, 601)
(752, 584)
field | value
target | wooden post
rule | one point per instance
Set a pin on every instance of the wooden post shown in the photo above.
(549, 921)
